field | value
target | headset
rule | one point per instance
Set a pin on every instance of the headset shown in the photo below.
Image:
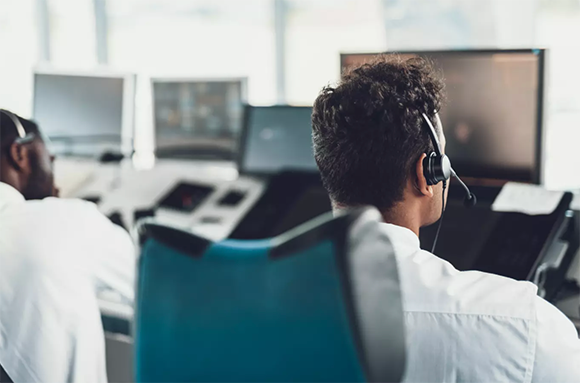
(437, 168)
(23, 137)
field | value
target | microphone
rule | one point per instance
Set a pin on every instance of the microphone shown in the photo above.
(470, 198)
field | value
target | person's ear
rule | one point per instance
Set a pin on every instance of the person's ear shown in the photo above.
(18, 157)
(421, 184)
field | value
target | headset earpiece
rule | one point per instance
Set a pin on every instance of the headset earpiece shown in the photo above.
(436, 168)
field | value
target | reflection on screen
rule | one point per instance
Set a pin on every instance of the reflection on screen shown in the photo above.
(197, 118)
(491, 115)
(81, 115)
(278, 138)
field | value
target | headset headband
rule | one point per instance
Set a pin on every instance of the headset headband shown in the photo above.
(433, 134)
(23, 136)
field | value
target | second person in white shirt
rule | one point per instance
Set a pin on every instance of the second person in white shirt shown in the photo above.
(55, 255)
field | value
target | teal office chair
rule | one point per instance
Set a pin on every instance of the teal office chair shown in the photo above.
(320, 303)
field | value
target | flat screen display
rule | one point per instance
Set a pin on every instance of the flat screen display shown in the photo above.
(82, 115)
(277, 138)
(198, 119)
(492, 116)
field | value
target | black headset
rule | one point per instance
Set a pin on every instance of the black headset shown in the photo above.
(23, 137)
(437, 168)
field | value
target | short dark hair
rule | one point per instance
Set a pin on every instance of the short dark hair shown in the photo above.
(8, 131)
(367, 131)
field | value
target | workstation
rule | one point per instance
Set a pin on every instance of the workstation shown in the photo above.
(247, 244)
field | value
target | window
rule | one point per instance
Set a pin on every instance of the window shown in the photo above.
(18, 44)
(196, 38)
(317, 32)
(458, 24)
(72, 34)
(557, 25)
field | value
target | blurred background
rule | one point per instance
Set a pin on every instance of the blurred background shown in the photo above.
(287, 49)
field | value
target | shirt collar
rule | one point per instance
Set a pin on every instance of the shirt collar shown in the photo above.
(401, 235)
(9, 195)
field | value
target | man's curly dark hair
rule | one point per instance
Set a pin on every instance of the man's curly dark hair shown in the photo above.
(367, 131)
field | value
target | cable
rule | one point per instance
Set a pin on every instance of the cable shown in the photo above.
(441, 219)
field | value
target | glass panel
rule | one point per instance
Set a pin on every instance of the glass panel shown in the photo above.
(18, 46)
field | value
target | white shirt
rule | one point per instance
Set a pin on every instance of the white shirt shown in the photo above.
(477, 327)
(55, 255)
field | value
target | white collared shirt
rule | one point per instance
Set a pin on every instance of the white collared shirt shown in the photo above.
(55, 255)
(478, 327)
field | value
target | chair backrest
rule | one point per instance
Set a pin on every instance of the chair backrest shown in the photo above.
(320, 303)
(4, 378)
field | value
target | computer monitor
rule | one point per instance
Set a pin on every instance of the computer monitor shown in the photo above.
(493, 114)
(85, 114)
(276, 138)
(198, 118)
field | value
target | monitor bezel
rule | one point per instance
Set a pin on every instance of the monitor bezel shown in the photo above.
(537, 174)
(243, 142)
(128, 128)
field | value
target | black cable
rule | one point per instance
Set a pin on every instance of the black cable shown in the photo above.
(441, 219)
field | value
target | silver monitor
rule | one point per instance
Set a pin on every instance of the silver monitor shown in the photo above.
(276, 138)
(85, 114)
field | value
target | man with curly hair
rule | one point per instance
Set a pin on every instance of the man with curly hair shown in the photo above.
(370, 141)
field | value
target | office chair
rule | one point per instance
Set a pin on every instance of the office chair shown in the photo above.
(319, 303)
(4, 378)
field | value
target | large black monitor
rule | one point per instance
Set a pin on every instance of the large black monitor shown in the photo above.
(198, 118)
(276, 138)
(494, 110)
(85, 114)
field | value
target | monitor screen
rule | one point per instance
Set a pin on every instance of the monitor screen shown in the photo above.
(82, 115)
(492, 115)
(277, 138)
(198, 118)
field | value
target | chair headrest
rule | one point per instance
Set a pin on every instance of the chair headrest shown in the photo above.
(326, 226)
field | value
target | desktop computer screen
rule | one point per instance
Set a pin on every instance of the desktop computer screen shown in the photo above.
(277, 138)
(85, 115)
(492, 118)
(198, 118)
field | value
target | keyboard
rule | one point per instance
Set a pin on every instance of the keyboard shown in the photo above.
(507, 244)
(514, 247)
(463, 234)
(186, 197)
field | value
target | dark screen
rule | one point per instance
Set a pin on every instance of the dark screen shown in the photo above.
(278, 138)
(491, 115)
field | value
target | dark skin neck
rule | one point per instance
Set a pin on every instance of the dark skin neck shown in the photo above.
(9, 176)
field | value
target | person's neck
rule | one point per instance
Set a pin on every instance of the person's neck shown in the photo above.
(405, 216)
(11, 180)
(401, 214)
